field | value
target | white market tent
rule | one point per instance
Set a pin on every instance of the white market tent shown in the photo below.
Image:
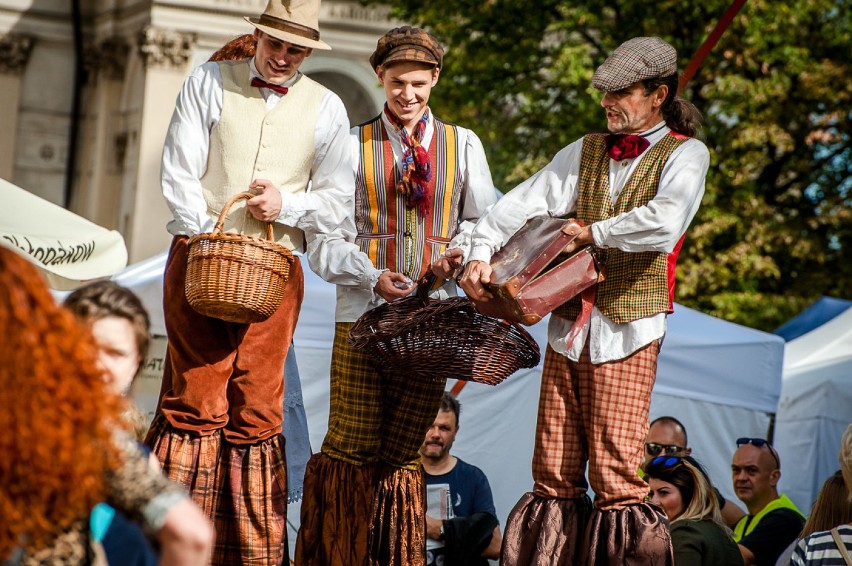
(815, 407)
(67, 248)
(721, 380)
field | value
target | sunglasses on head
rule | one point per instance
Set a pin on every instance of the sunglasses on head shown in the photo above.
(664, 462)
(654, 449)
(759, 443)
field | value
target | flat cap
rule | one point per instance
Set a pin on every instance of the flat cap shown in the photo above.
(407, 43)
(635, 60)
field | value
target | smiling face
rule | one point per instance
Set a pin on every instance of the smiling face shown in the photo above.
(440, 437)
(407, 88)
(277, 60)
(631, 111)
(666, 496)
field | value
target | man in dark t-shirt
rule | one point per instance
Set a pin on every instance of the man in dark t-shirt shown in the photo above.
(773, 521)
(461, 522)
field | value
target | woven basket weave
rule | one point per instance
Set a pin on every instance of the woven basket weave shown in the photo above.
(430, 339)
(236, 277)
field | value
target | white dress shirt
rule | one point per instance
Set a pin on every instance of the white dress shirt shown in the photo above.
(352, 270)
(654, 227)
(318, 212)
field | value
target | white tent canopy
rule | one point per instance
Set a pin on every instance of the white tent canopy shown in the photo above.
(721, 380)
(815, 407)
(68, 248)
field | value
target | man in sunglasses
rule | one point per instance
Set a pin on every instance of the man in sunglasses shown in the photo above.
(667, 436)
(773, 521)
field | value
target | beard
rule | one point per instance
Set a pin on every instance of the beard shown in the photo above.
(433, 450)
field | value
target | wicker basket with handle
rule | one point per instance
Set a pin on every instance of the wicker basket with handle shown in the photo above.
(236, 277)
(428, 339)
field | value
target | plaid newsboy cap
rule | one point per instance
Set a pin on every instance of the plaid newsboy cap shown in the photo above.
(635, 60)
(407, 43)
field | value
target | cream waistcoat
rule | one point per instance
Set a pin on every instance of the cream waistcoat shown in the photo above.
(251, 142)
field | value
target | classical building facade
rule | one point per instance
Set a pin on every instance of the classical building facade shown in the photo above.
(87, 88)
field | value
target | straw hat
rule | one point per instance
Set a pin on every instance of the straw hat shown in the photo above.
(293, 21)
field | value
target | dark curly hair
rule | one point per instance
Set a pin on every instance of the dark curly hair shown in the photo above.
(58, 415)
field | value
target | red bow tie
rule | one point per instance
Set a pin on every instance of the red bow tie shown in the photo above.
(625, 146)
(260, 83)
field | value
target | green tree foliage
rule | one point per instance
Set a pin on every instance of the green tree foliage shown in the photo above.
(774, 230)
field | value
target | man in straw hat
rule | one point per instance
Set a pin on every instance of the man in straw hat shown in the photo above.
(636, 191)
(420, 184)
(255, 125)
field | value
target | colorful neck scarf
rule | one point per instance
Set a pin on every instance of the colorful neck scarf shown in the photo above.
(416, 169)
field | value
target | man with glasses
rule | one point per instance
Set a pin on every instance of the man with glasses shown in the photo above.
(667, 436)
(773, 521)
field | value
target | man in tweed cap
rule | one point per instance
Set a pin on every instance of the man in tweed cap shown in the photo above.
(635, 192)
(420, 185)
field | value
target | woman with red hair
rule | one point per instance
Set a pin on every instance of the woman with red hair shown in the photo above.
(64, 445)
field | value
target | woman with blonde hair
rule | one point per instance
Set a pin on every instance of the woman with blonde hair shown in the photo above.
(699, 535)
(65, 447)
(834, 546)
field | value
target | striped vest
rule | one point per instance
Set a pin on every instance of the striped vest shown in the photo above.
(394, 236)
(251, 142)
(636, 284)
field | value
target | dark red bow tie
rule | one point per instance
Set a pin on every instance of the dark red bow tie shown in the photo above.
(625, 146)
(260, 83)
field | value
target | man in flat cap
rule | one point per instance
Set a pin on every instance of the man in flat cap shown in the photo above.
(636, 191)
(421, 183)
(252, 125)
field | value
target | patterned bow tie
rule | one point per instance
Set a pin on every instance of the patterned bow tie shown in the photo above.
(625, 146)
(260, 83)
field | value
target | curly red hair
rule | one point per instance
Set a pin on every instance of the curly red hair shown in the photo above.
(57, 414)
(241, 47)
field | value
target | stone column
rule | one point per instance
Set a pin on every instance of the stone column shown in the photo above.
(104, 136)
(165, 55)
(15, 50)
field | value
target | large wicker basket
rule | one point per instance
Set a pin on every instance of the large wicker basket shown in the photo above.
(431, 339)
(236, 277)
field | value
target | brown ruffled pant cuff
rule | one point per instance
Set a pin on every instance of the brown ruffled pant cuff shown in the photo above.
(543, 531)
(335, 513)
(398, 530)
(636, 535)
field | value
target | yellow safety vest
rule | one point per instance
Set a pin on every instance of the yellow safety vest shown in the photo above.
(783, 502)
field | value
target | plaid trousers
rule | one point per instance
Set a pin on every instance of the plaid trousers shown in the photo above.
(597, 413)
(376, 416)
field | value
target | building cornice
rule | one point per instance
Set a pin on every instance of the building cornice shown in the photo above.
(166, 48)
(108, 59)
(15, 50)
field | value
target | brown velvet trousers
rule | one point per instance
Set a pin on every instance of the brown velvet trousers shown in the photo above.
(596, 414)
(220, 412)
